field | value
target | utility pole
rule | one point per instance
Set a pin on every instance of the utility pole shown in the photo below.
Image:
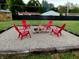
(67, 7)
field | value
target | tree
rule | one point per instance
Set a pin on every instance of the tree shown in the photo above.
(3, 4)
(15, 6)
(62, 9)
(45, 5)
(34, 6)
(51, 6)
(55, 9)
(74, 10)
(33, 3)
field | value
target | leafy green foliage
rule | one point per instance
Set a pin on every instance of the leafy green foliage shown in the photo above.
(15, 5)
(3, 4)
(74, 10)
(34, 6)
(62, 9)
(34, 3)
(45, 5)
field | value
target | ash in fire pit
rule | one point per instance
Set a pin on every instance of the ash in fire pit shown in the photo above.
(37, 30)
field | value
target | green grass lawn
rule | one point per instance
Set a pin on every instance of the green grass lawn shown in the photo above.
(29, 56)
(67, 55)
(72, 26)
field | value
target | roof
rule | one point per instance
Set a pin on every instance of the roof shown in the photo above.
(51, 13)
(5, 11)
(28, 13)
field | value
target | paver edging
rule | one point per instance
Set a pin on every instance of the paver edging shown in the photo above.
(69, 31)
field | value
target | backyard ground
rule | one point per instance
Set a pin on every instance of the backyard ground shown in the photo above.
(71, 26)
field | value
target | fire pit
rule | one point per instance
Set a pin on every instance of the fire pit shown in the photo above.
(37, 30)
(40, 30)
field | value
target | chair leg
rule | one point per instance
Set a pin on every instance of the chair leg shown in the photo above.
(21, 37)
(60, 33)
(51, 32)
(57, 35)
(18, 35)
(49, 27)
(29, 34)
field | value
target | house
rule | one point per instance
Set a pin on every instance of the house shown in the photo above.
(51, 13)
(5, 15)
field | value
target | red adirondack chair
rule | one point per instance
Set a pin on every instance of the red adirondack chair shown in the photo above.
(25, 25)
(22, 33)
(57, 31)
(48, 25)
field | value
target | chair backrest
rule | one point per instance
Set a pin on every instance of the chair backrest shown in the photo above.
(16, 28)
(61, 28)
(24, 24)
(50, 23)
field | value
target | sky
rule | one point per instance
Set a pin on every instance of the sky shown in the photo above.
(57, 2)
